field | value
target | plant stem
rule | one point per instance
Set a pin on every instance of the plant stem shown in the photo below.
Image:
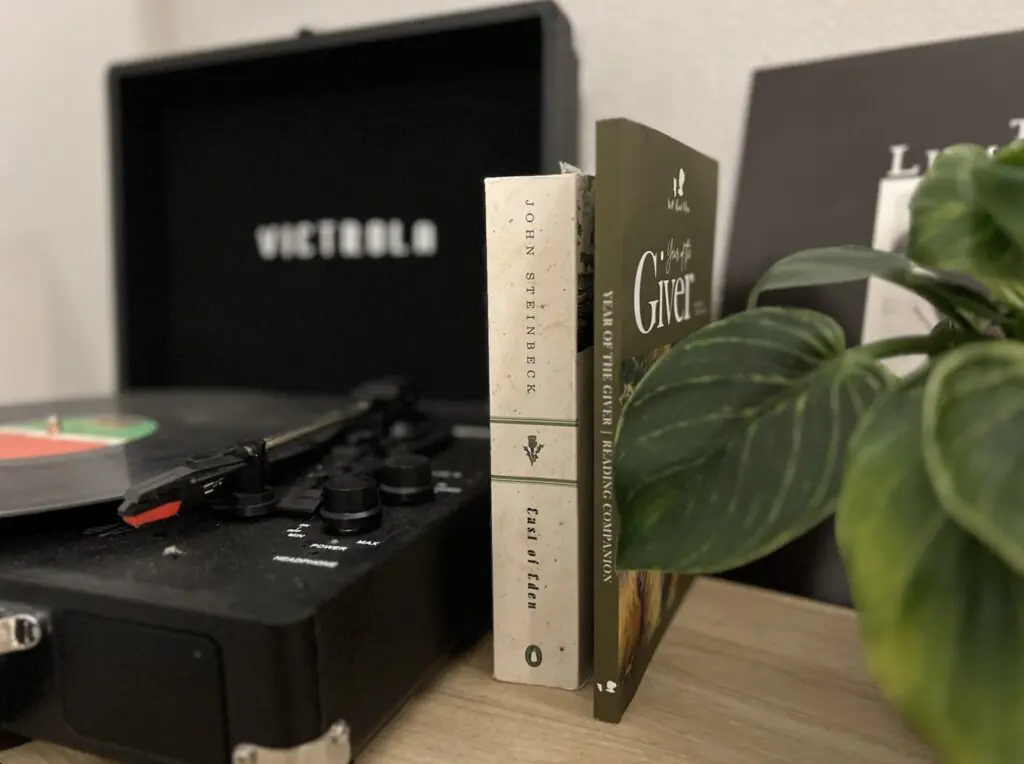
(961, 320)
(912, 345)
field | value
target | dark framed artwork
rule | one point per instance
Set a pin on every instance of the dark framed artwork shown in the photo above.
(832, 153)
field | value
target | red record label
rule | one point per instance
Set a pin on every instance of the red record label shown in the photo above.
(58, 436)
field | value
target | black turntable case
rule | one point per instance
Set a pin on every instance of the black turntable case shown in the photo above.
(371, 131)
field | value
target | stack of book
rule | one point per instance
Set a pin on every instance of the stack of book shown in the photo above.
(591, 278)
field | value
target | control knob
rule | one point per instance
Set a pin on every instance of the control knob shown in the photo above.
(406, 479)
(351, 504)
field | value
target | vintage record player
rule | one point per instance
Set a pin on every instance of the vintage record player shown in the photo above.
(279, 528)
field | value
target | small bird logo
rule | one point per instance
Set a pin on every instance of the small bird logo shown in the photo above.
(532, 449)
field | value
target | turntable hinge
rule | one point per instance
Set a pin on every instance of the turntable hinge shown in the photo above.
(333, 747)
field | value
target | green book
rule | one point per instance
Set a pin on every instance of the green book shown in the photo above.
(655, 203)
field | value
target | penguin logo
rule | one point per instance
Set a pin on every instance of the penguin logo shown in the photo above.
(534, 657)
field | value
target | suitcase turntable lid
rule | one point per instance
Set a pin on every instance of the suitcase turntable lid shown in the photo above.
(307, 214)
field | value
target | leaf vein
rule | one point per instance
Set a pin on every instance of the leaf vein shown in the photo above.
(741, 469)
(789, 474)
(813, 339)
(776, 380)
(767, 409)
(994, 416)
(750, 341)
(833, 447)
(725, 414)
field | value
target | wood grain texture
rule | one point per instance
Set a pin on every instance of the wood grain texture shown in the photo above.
(743, 675)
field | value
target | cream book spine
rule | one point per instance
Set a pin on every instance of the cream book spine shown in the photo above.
(540, 234)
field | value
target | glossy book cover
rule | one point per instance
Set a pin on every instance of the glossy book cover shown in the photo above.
(655, 207)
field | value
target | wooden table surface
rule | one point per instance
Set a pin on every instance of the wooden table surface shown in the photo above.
(743, 675)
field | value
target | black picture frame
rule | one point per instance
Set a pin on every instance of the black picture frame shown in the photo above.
(821, 136)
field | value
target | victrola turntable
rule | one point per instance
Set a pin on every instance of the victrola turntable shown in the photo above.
(267, 541)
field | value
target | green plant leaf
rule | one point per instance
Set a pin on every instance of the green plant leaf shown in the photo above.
(830, 265)
(1011, 294)
(973, 424)
(999, 185)
(953, 296)
(1011, 154)
(837, 265)
(941, 616)
(951, 228)
(733, 443)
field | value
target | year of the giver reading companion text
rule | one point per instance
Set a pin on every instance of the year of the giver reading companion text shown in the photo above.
(540, 332)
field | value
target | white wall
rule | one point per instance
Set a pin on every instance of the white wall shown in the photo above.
(55, 287)
(680, 65)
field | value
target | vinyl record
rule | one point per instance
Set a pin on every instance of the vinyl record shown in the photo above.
(81, 452)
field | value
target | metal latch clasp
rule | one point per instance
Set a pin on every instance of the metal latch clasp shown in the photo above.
(19, 632)
(333, 747)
